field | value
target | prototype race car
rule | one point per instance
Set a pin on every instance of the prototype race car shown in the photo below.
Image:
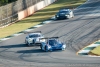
(64, 14)
(33, 38)
(51, 44)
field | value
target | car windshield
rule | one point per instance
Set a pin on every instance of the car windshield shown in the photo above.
(52, 42)
(34, 35)
(63, 11)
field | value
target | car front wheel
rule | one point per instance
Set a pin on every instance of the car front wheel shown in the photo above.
(46, 48)
(41, 46)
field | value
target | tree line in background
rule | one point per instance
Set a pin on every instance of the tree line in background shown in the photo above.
(4, 2)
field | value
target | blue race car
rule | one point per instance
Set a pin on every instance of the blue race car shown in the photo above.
(51, 44)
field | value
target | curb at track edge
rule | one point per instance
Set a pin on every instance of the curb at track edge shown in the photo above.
(84, 51)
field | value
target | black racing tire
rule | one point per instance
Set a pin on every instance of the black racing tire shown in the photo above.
(46, 48)
(33, 41)
(26, 43)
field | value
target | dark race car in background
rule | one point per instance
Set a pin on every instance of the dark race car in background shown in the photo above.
(64, 14)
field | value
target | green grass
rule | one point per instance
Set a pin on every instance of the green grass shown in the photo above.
(95, 51)
(39, 16)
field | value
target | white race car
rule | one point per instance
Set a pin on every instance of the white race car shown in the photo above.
(33, 38)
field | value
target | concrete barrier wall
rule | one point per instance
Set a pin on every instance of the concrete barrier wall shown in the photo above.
(34, 8)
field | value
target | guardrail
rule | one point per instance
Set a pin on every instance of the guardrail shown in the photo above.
(21, 9)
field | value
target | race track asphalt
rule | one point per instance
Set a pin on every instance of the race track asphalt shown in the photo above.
(76, 32)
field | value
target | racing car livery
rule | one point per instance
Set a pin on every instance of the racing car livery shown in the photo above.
(51, 44)
(33, 38)
(64, 13)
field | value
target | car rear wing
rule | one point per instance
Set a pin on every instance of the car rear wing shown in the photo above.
(50, 38)
(32, 32)
(46, 38)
